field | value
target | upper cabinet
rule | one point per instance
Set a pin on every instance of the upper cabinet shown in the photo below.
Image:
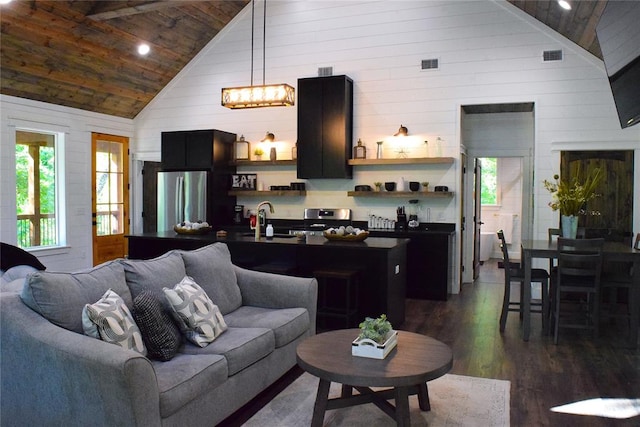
(196, 149)
(325, 127)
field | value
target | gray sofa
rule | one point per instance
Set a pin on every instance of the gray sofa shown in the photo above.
(53, 375)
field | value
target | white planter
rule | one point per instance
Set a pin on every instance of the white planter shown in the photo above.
(369, 348)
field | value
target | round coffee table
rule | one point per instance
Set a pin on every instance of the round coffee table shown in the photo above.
(416, 360)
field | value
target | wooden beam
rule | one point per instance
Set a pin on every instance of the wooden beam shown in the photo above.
(133, 10)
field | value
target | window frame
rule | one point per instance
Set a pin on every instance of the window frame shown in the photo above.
(498, 190)
(59, 135)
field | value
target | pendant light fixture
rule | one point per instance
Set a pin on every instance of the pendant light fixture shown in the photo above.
(277, 95)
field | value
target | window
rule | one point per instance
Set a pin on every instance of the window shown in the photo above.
(37, 189)
(489, 183)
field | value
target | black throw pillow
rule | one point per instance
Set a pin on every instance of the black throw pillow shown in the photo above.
(160, 335)
(11, 256)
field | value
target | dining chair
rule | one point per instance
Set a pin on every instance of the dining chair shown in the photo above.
(551, 233)
(616, 277)
(516, 275)
(577, 285)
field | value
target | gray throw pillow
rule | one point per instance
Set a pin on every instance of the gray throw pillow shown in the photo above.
(109, 320)
(154, 274)
(211, 268)
(60, 297)
(197, 316)
(160, 335)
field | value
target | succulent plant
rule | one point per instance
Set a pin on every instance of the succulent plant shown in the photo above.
(375, 329)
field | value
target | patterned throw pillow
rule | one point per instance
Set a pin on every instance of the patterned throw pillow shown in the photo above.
(160, 335)
(199, 319)
(109, 319)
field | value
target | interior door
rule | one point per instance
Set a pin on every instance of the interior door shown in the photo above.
(477, 216)
(110, 198)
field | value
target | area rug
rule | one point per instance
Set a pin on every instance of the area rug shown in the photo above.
(456, 400)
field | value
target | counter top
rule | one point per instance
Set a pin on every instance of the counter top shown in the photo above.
(248, 238)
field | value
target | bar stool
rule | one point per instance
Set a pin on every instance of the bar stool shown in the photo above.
(337, 297)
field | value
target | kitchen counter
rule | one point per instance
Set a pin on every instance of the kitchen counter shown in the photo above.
(381, 261)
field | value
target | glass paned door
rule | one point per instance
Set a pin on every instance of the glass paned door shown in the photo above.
(110, 220)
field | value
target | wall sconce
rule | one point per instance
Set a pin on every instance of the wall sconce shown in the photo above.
(241, 149)
(402, 131)
(269, 137)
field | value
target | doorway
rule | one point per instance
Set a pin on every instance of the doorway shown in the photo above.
(505, 132)
(110, 196)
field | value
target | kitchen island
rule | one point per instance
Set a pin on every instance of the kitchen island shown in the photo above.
(381, 261)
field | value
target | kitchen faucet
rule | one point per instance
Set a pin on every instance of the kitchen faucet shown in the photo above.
(266, 202)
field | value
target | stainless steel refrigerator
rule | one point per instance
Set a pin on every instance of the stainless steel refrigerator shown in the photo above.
(182, 196)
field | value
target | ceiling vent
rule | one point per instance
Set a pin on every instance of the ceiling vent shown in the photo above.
(429, 64)
(552, 55)
(325, 71)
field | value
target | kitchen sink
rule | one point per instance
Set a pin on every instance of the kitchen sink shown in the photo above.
(279, 235)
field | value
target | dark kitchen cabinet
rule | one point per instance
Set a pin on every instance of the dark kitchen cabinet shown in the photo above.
(196, 149)
(325, 127)
(210, 150)
(430, 257)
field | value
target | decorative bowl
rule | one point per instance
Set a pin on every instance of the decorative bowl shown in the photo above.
(390, 186)
(346, 238)
(192, 231)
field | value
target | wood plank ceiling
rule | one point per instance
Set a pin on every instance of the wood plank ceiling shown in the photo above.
(82, 54)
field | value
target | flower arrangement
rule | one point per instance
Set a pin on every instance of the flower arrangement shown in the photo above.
(570, 196)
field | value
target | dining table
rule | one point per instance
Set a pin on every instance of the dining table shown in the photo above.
(612, 251)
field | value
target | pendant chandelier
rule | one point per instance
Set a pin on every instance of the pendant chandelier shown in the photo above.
(277, 95)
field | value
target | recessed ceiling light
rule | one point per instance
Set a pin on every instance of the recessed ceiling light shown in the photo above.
(564, 4)
(143, 49)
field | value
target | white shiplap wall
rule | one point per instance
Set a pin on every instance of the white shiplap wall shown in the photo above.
(489, 52)
(77, 126)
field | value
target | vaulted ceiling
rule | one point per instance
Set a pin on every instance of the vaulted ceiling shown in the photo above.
(82, 54)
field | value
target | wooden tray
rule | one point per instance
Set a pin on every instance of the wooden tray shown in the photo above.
(203, 230)
(348, 238)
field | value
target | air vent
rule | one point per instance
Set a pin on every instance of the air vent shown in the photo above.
(325, 71)
(552, 55)
(429, 64)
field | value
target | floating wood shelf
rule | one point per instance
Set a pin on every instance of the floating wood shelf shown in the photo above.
(263, 163)
(267, 193)
(403, 194)
(407, 161)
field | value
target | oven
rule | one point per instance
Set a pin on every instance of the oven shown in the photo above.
(316, 220)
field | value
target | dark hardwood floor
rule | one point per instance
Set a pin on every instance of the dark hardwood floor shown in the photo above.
(542, 374)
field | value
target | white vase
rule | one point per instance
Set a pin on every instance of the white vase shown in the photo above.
(569, 226)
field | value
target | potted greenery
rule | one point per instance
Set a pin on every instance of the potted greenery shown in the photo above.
(425, 186)
(570, 197)
(377, 338)
(378, 185)
(258, 152)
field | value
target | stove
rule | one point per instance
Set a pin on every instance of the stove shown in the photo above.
(318, 219)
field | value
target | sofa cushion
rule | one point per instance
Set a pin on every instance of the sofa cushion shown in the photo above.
(240, 346)
(212, 269)
(160, 335)
(154, 274)
(60, 297)
(109, 320)
(197, 316)
(287, 323)
(187, 377)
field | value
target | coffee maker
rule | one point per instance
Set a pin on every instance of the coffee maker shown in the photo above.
(238, 214)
